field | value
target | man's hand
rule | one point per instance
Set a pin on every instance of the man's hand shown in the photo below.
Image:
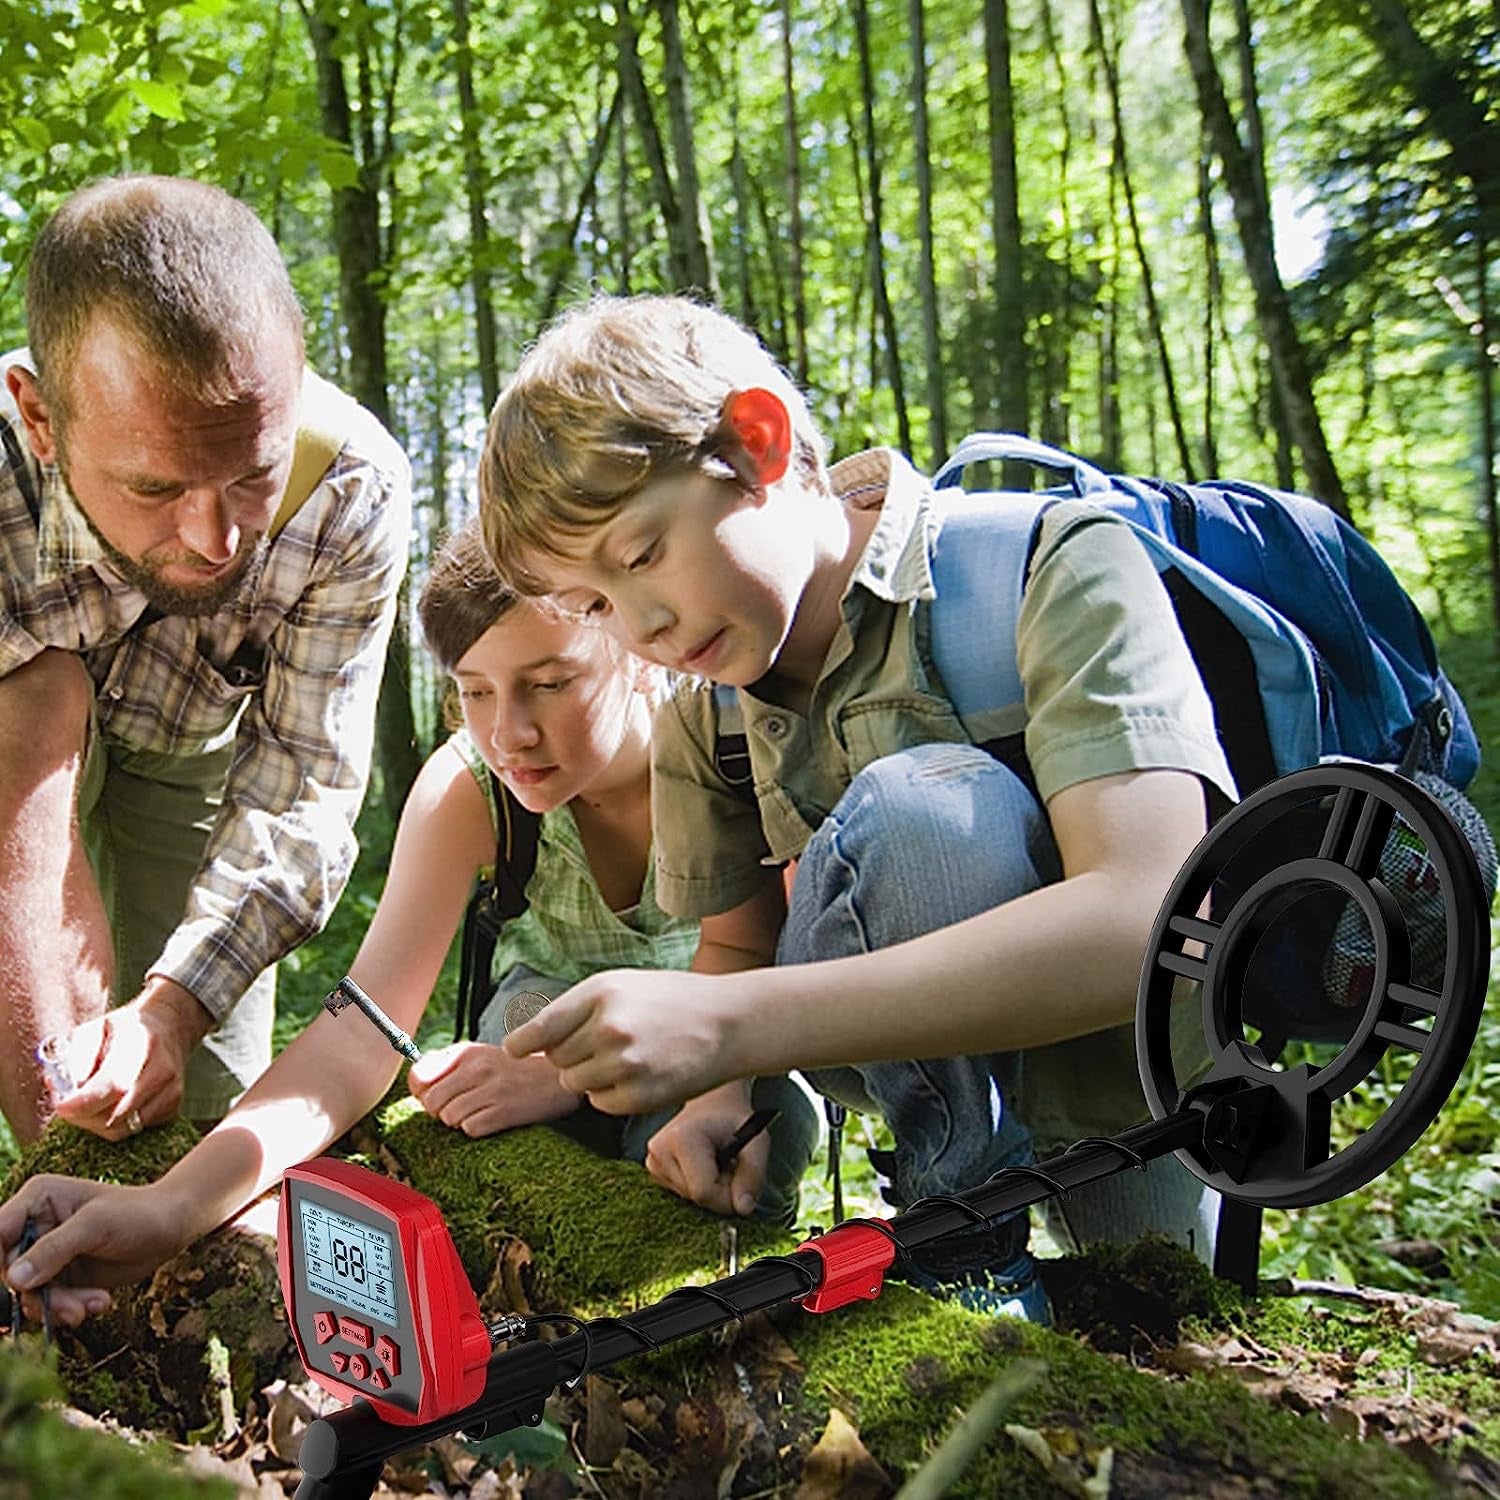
(635, 1040)
(680, 1156)
(482, 1090)
(128, 1064)
(93, 1235)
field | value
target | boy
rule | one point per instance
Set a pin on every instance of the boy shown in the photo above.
(951, 921)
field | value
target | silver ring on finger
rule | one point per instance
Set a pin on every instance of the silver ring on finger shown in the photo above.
(133, 1122)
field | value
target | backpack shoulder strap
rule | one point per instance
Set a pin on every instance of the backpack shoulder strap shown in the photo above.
(979, 565)
(328, 420)
(731, 746)
(495, 902)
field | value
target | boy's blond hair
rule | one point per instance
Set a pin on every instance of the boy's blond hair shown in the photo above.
(618, 392)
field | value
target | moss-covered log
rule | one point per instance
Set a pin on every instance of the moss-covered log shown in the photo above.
(845, 1405)
(157, 1359)
(568, 1231)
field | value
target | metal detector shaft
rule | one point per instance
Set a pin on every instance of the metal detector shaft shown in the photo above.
(339, 1447)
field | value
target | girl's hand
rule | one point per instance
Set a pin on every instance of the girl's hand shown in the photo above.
(482, 1090)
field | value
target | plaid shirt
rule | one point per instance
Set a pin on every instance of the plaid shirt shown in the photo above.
(290, 670)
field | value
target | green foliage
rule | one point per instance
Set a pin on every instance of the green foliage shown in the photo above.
(42, 1453)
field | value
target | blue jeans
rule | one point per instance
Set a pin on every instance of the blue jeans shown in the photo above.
(920, 840)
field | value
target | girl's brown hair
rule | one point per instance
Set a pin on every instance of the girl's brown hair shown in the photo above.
(463, 596)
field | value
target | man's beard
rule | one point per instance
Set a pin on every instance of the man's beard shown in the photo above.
(176, 598)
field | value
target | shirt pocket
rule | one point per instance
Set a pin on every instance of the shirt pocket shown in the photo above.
(874, 726)
(176, 700)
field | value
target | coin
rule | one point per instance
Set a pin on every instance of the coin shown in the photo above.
(524, 1006)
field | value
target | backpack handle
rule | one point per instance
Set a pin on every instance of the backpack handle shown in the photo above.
(980, 447)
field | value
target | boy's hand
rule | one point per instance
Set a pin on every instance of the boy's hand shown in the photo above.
(635, 1040)
(94, 1234)
(482, 1090)
(680, 1156)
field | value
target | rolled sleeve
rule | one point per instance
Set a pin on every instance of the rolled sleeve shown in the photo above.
(710, 849)
(283, 844)
(1110, 683)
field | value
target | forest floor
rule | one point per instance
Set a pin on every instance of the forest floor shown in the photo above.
(1318, 1387)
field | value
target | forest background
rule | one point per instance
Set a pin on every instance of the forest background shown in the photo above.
(1255, 241)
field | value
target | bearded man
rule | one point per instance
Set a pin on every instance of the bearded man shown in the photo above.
(192, 634)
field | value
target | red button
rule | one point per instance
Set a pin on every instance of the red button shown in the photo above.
(355, 1332)
(380, 1380)
(339, 1361)
(325, 1325)
(359, 1367)
(388, 1352)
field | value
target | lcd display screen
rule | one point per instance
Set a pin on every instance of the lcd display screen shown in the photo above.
(349, 1262)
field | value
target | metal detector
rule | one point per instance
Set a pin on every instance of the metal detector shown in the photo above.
(411, 1353)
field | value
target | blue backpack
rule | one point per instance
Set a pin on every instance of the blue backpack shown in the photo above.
(1308, 648)
(1269, 588)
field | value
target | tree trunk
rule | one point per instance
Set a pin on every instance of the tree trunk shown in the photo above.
(1148, 281)
(697, 236)
(1255, 133)
(739, 176)
(633, 81)
(358, 243)
(793, 146)
(1441, 91)
(877, 247)
(1213, 302)
(1056, 406)
(1252, 216)
(476, 192)
(586, 191)
(1486, 359)
(932, 347)
(1012, 406)
(623, 232)
(1110, 454)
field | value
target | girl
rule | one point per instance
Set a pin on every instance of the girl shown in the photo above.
(561, 716)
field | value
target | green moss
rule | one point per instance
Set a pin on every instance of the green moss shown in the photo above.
(65, 1149)
(1388, 1339)
(602, 1235)
(904, 1367)
(42, 1454)
(603, 1238)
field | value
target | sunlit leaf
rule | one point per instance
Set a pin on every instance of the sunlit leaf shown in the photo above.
(162, 99)
(33, 132)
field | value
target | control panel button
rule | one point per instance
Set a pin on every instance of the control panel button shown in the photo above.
(359, 1367)
(325, 1326)
(379, 1379)
(388, 1352)
(339, 1360)
(355, 1332)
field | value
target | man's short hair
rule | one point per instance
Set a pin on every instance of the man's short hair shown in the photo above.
(615, 393)
(186, 272)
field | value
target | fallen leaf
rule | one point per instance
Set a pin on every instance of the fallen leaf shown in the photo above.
(292, 1409)
(507, 1286)
(839, 1467)
(457, 1460)
(1449, 1346)
(1084, 1474)
(604, 1422)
